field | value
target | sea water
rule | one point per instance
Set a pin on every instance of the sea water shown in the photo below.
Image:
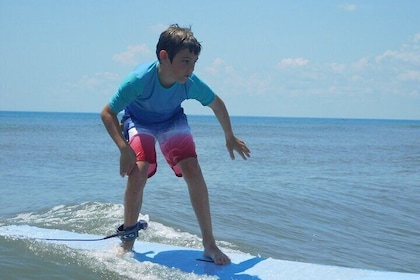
(328, 191)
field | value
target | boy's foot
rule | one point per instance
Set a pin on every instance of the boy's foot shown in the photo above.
(216, 255)
(126, 247)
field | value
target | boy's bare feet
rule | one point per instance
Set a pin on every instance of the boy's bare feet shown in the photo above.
(213, 252)
(125, 247)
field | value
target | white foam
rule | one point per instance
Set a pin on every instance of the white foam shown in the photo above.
(102, 219)
(158, 261)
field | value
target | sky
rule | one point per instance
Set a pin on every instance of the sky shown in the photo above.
(323, 59)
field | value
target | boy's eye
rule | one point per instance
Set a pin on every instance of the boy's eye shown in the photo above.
(188, 61)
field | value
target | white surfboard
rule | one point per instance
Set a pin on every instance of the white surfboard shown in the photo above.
(190, 261)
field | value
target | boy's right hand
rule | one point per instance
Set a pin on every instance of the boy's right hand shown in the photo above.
(127, 160)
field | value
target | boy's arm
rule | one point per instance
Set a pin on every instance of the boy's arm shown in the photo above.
(232, 143)
(128, 157)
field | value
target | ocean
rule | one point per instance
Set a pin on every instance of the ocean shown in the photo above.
(342, 192)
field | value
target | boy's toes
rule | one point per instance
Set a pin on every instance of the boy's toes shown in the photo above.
(217, 256)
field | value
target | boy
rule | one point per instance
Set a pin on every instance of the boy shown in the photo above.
(151, 96)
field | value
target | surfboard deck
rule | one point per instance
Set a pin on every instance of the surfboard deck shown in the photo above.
(190, 260)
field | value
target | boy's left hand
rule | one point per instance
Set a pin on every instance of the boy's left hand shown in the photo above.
(235, 144)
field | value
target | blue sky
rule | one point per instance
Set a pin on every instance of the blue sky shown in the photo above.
(344, 59)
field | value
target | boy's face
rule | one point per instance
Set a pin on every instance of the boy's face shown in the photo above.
(182, 66)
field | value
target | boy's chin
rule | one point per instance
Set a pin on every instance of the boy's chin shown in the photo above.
(183, 79)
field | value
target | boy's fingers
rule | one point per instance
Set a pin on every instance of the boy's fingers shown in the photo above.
(232, 155)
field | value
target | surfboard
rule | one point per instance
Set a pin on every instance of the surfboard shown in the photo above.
(191, 261)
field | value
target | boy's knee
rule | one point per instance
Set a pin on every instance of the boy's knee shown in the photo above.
(139, 173)
(189, 167)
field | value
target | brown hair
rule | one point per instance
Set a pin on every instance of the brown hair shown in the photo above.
(175, 39)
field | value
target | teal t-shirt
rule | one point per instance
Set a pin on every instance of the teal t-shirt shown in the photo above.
(146, 101)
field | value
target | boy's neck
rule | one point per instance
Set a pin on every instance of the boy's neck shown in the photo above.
(164, 78)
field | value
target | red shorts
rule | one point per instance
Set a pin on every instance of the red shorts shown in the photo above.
(176, 143)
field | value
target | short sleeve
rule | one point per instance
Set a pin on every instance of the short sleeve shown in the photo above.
(129, 90)
(200, 91)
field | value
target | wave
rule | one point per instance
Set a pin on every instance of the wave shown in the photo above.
(100, 219)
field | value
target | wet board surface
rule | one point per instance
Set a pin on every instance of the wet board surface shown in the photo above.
(190, 260)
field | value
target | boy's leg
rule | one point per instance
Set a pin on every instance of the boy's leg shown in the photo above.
(143, 146)
(133, 198)
(197, 187)
(177, 145)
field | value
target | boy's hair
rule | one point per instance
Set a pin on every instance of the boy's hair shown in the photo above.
(175, 39)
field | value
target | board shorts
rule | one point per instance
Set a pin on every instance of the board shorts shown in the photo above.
(174, 138)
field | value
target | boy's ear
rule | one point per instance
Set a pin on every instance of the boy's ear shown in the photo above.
(163, 56)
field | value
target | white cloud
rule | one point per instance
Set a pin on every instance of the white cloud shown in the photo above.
(131, 55)
(158, 28)
(227, 80)
(404, 55)
(410, 76)
(96, 79)
(347, 7)
(408, 53)
(338, 67)
(360, 64)
(356, 78)
(392, 75)
(103, 83)
(293, 62)
(218, 66)
(386, 54)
